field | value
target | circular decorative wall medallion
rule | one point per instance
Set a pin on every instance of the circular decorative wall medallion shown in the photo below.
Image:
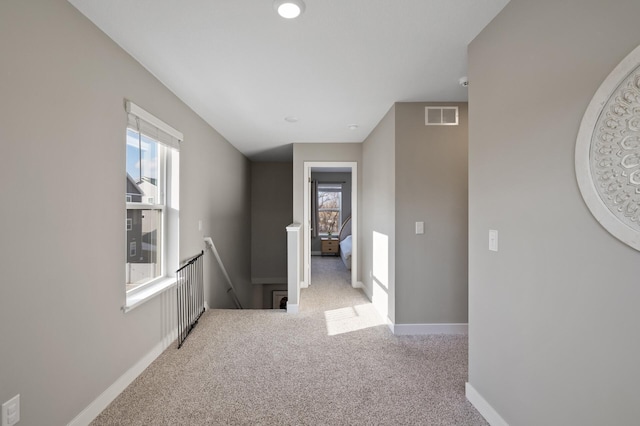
(608, 152)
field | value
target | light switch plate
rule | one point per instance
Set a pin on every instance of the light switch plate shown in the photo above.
(11, 411)
(419, 228)
(493, 240)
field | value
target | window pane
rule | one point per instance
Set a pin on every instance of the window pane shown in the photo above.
(328, 220)
(143, 169)
(145, 179)
(329, 208)
(329, 200)
(143, 242)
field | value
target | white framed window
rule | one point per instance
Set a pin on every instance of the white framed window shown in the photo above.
(152, 166)
(329, 208)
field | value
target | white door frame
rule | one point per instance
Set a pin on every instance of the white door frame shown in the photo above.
(306, 222)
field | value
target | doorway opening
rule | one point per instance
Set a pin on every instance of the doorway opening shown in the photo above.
(330, 225)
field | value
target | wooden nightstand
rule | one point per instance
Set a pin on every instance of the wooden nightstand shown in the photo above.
(330, 246)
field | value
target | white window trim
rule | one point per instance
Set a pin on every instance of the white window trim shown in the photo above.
(137, 111)
(139, 295)
(170, 218)
(144, 206)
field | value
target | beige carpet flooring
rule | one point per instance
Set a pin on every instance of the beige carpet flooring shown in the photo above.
(334, 363)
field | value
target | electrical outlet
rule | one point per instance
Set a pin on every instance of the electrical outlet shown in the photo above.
(419, 228)
(11, 411)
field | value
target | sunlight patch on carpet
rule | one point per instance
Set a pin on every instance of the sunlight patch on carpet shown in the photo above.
(352, 318)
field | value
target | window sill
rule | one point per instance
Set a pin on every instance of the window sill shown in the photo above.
(137, 298)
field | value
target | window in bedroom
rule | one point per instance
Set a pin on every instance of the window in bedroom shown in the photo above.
(152, 161)
(329, 208)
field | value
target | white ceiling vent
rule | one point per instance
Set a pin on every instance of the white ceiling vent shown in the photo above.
(441, 116)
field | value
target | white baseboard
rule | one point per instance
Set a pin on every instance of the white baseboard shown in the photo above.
(483, 407)
(316, 253)
(292, 308)
(423, 329)
(92, 411)
(364, 288)
(206, 306)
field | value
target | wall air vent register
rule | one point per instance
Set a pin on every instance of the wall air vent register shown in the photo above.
(441, 116)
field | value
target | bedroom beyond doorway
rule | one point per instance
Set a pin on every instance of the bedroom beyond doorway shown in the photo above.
(330, 211)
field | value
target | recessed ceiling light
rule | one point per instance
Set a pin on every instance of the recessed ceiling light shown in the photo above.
(289, 9)
(291, 118)
(352, 126)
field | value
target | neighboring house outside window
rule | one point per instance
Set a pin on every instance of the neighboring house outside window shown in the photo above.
(329, 208)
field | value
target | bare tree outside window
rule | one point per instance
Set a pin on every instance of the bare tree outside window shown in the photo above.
(329, 208)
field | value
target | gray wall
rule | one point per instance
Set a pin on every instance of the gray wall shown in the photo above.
(271, 213)
(416, 173)
(553, 315)
(316, 243)
(378, 213)
(62, 126)
(431, 186)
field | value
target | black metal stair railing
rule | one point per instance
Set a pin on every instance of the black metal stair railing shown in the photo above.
(190, 296)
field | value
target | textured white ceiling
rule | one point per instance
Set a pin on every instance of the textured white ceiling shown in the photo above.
(244, 69)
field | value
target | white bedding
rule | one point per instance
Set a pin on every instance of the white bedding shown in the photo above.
(345, 251)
